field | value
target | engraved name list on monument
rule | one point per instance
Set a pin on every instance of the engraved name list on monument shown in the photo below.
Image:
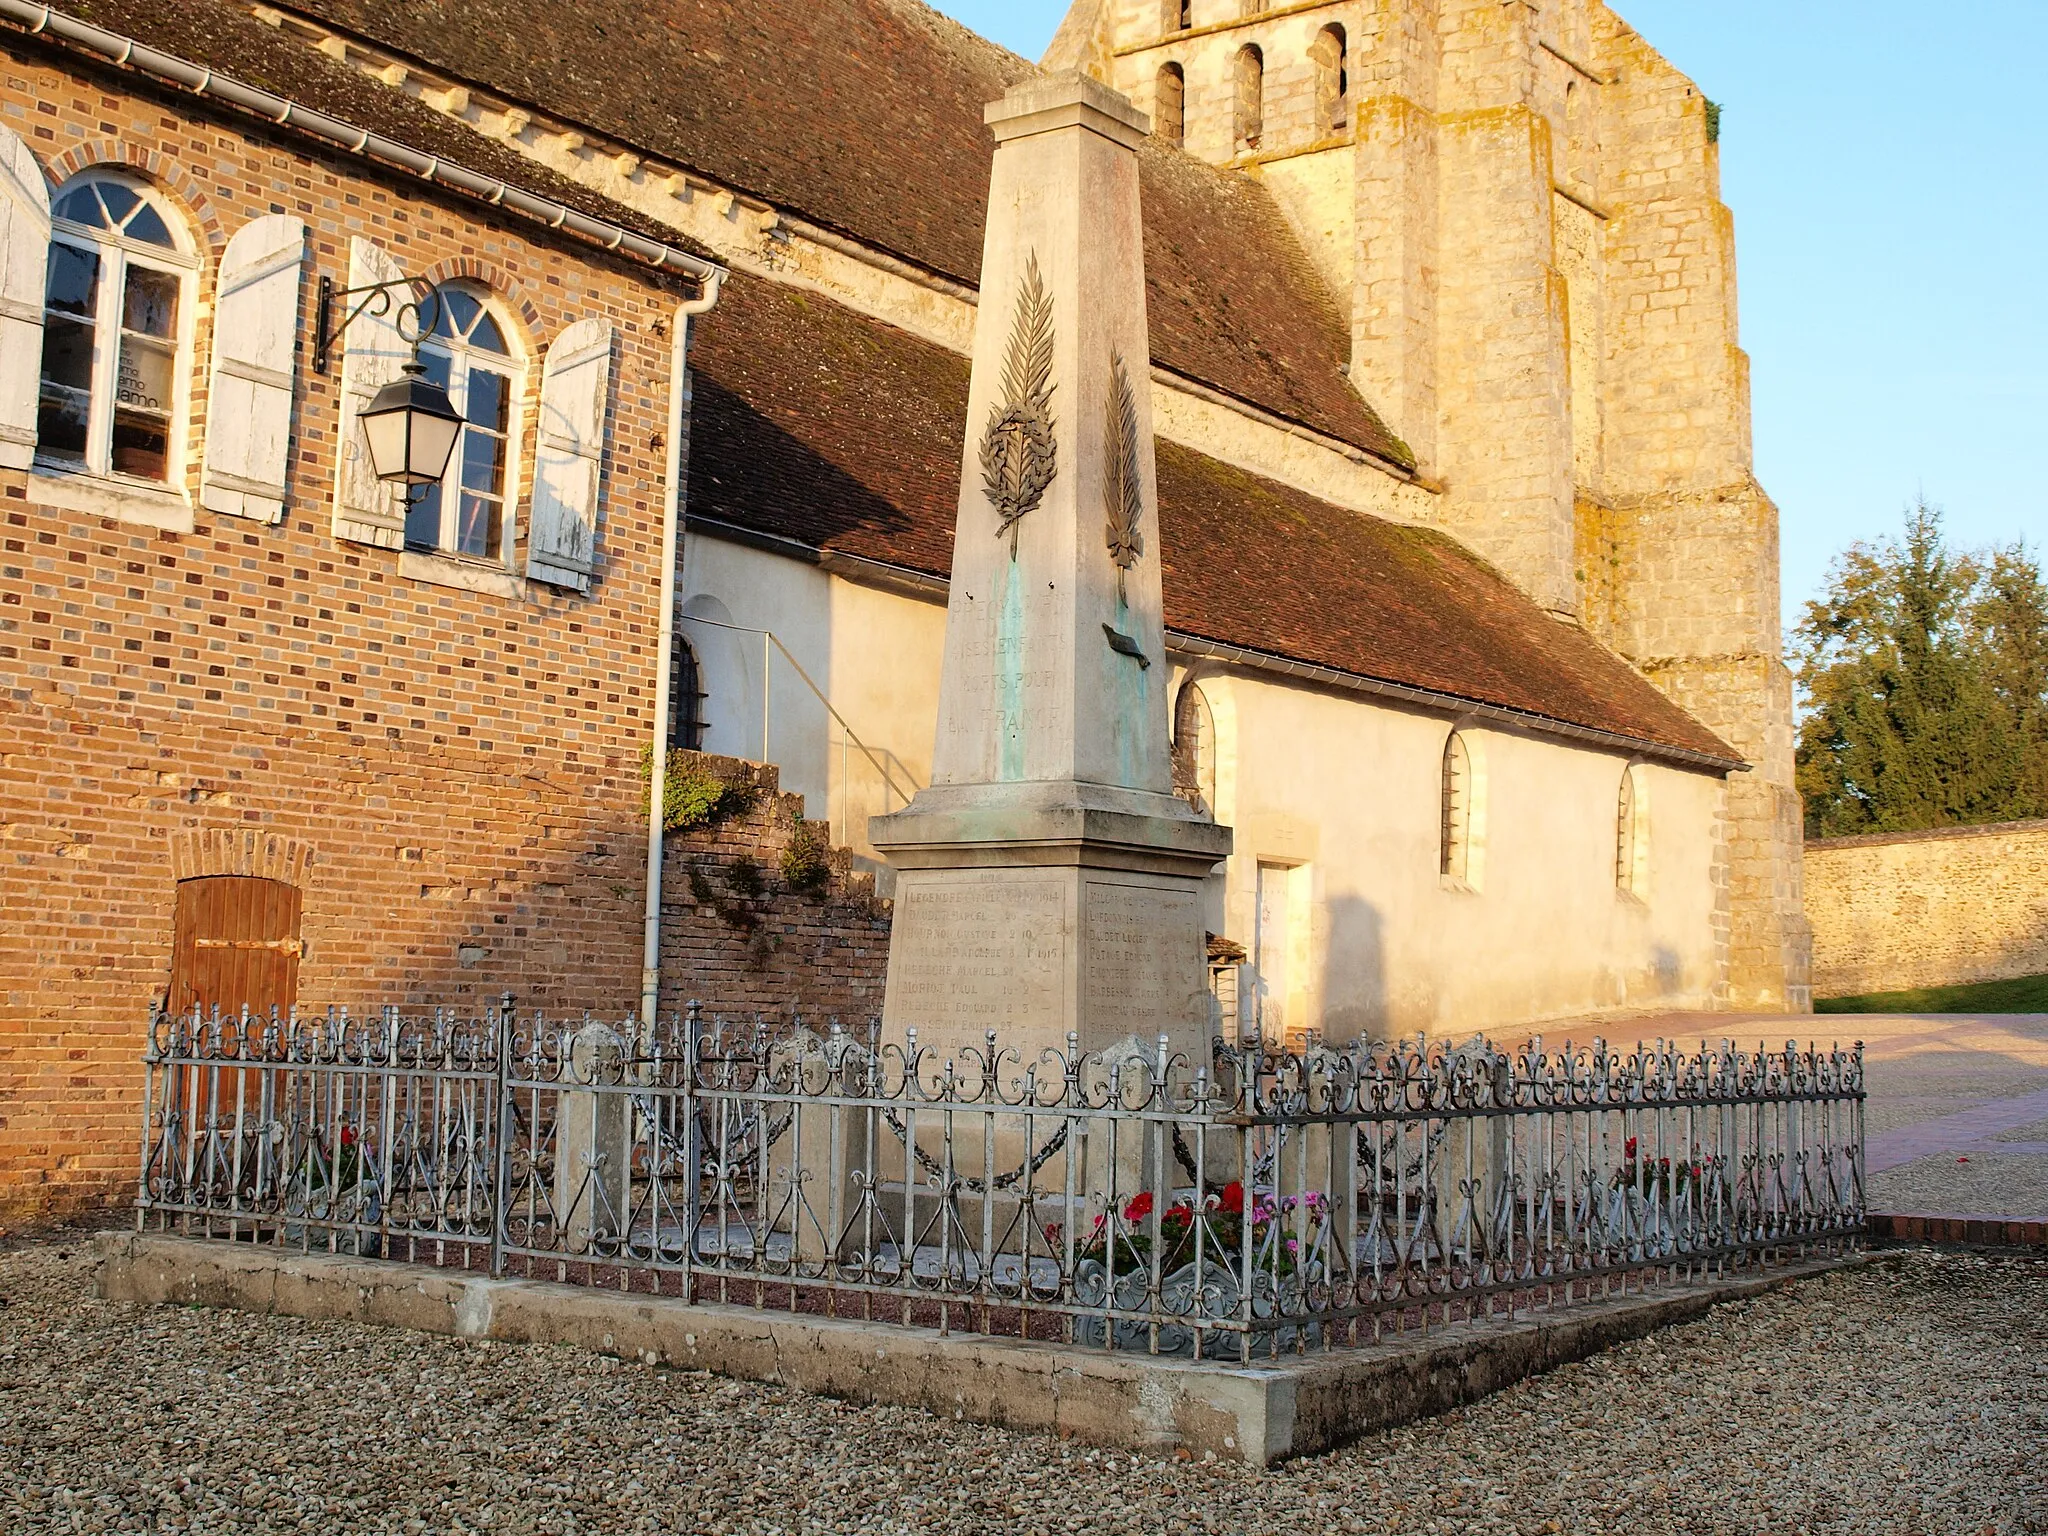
(989, 952)
(1136, 972)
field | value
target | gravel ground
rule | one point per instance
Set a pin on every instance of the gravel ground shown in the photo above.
(1908, 1395)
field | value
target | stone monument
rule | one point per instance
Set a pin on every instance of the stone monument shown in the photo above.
(1049, 878)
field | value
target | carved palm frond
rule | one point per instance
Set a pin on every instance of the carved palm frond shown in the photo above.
(1027, 368)
(1122, 494)
(1019, 459)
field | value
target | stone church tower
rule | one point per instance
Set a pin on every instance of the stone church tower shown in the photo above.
(1518, 205)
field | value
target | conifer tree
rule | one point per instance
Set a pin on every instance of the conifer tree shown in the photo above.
(1922, 672)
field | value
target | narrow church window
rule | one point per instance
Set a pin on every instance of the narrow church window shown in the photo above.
(1255, 7)
(1455, 844)
(1631, 836)
(470, 354)
(1169, 105)
(1333, 81)
(1194, 748)
(1177, 15)
(1251, 99)
(686, 728)
(116, 337)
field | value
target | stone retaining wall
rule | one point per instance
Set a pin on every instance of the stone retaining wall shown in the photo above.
(1927, 909)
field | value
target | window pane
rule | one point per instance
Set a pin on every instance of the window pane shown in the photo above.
(119, 200)
(60, 424)
(144, 378)
(490, 397)
(74, 284)
(152, 302)
(142, 441)
(81, 206)
(423, 518)
(477, 533)
(483, 463)
(457, 312)
(149, 225)
(487, 337)
(67, 353)
(436, 364)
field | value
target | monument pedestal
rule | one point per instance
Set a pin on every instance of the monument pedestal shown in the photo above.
(1036, 910)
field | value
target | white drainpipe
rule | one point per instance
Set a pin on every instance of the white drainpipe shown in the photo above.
(664, 667)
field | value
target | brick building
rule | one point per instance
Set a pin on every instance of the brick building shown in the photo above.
(1451, 635)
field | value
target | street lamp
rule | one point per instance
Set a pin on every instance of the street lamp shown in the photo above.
(410, 424)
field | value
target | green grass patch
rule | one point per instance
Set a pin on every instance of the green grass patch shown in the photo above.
(2020, 994)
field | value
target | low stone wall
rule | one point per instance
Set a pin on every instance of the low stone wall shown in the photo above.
(1928, 909)
(1266, 1413)
(762, 915)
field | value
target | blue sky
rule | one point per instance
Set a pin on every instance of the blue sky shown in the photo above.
(1888, 172)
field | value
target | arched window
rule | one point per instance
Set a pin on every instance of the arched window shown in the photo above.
(1250, 119)
(1194, 748)
(1333, 81)
(1460, 798)
(470, 353)
(1632, 835)
(686, 717)
(1176, 15)
(1170, 105)
(117, 312)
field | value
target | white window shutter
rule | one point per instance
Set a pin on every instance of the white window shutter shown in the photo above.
(24, 263)
(367, 511)
(575, 389)
(249, 408)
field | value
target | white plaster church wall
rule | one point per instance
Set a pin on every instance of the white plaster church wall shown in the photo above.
(1349, 791)
(1339, 790)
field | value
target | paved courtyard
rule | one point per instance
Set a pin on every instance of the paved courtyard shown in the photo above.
(1958, 1114)
(1908, 1395)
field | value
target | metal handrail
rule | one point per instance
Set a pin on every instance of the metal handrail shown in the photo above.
(774, 639)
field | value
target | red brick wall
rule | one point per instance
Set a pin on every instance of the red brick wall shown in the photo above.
(456, 775)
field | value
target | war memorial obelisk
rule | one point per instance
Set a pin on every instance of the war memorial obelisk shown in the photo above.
(1049, 878)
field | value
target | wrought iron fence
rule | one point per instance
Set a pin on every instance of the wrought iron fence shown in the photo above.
(1249, 1204)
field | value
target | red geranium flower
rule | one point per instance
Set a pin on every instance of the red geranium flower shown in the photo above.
(1140, 1206)
(1630, 1149)
(1232, 1199)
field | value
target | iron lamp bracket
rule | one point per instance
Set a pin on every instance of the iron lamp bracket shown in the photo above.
(414, 316)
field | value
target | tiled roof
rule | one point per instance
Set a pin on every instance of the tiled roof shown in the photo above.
(224, 36)
(816, 424)
(864, 116)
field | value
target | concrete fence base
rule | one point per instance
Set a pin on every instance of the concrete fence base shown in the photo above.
(1261, 1414)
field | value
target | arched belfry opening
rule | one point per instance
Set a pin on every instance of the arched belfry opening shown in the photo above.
(1249, 128)
(1169, 105)
(1331, 56)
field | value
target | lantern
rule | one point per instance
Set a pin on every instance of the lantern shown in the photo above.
(411, 426)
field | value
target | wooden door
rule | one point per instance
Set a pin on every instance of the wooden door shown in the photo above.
(236, 943)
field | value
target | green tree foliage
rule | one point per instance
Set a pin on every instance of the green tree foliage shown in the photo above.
(1924, 676)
